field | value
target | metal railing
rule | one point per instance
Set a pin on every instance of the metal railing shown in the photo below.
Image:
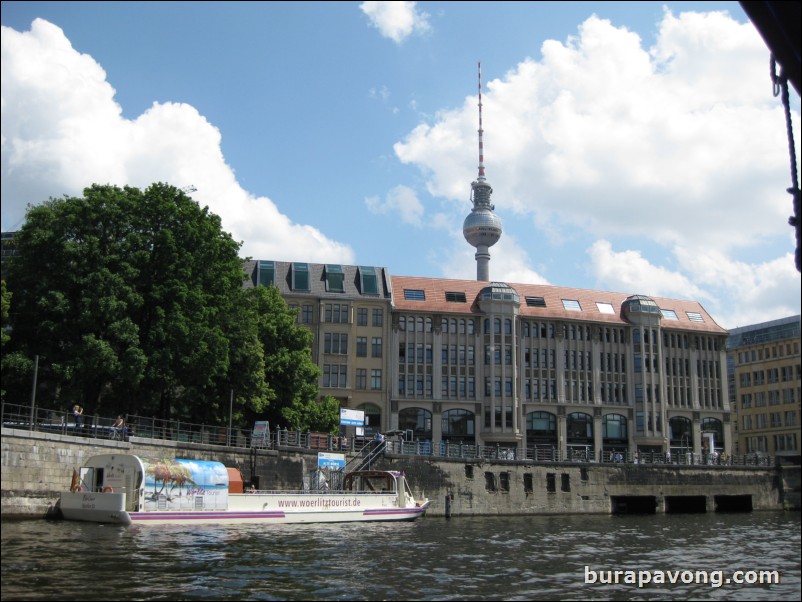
(101, 427)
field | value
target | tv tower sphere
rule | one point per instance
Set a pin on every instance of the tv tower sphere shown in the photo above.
(482, 227)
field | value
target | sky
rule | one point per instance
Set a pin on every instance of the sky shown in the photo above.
(632, 147)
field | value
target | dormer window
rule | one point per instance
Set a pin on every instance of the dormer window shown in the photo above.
(335, 278)
(300, 276)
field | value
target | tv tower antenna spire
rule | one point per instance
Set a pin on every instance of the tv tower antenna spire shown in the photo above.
(481, 131)
(482, 228)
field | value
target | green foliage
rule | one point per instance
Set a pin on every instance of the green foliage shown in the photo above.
(134, 302)
(127, 296)
(4, 336)
(321, 416)
(290, 373)
(6, 304)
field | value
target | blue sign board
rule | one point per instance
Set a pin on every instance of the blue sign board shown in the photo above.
(328, 460)
(352, 417)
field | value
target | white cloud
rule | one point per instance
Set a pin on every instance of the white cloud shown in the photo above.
(63, 131)
(628, 271)
(681, 146)
(396, 20)
(764, 290)
(402, 201)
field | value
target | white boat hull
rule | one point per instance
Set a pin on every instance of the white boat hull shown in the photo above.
(268, 508)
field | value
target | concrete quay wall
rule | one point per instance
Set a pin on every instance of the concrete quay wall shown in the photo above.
(36, 467)
(509, 487)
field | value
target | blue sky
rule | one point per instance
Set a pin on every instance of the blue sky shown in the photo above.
(632, 146)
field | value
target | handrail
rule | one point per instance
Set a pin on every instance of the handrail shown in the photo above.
(100, 427)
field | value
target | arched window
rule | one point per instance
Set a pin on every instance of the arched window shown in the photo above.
(713, 425)
(580, 428)
(402, 323)
(428, 324)
(680, 432)
(417, 420)
(541, 434)
(614, 430)
(458, 426)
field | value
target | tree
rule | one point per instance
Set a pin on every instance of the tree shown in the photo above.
(290, 373)
(131, 297)
(4, 336)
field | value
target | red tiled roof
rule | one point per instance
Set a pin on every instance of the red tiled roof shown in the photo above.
(435, 290)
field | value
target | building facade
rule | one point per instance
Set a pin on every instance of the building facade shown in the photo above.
(538, 368)
(347, 308)
(766, 386)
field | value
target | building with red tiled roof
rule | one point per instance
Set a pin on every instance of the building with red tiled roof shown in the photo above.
(540, 369)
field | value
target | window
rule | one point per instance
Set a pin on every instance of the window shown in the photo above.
(337, 313)
(300, 276)
(458, 425)
(535, 301)
(306, 314)
(456, 297)
(413, 294)
(614, 428)
(368, 280)
(376, 380)
(695, 316)
(334, 375)
(378, 317)
(605, 308)
(376, 349)
(529, 486)
(361, 378)
(362, 316)
(335, 278)
(267, 273)
(571, 305)
(504, 481)
(669, 314)
(335, 343)
(361, 346)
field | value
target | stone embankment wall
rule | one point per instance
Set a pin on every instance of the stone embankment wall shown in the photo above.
(36, 467)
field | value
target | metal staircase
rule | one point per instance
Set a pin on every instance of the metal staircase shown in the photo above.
(360, 461)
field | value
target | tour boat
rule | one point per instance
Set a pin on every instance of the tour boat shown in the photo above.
(125, 489)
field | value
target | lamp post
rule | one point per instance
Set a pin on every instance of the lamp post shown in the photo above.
(33, 388)
(230, 414)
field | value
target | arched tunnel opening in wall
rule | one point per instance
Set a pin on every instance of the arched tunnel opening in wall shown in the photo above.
(686, 504)
(633, 504)
(733, 503)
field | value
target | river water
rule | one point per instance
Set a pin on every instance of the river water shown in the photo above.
(476, 558)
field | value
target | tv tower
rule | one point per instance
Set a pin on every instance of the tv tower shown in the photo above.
(482, 227)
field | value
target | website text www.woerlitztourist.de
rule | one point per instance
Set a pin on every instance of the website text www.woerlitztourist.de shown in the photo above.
(653, 577)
